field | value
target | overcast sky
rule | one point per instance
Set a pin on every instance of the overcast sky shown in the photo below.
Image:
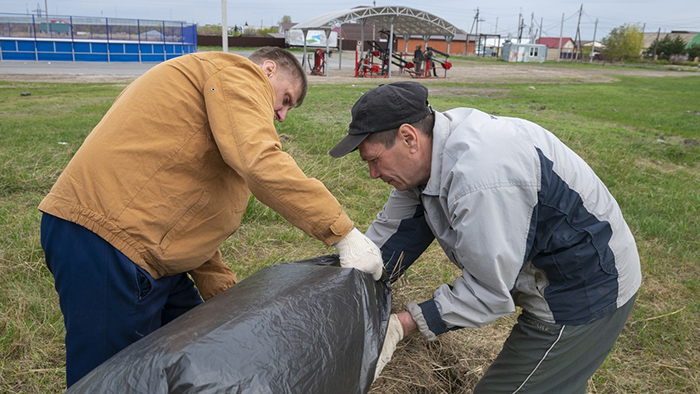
(495, 16)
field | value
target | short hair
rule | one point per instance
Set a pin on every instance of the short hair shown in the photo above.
(388, 137)
(287, 61)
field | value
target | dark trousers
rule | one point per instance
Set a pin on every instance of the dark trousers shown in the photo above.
(107, 301)
(540, 357)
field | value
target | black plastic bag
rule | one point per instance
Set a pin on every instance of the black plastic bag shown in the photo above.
(303, 327)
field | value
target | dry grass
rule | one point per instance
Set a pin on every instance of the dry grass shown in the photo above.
(456, 360)
(655, 183)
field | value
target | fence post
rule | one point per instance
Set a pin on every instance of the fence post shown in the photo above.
(72, 39)
(36, 47)
(138, 35)
(165, 51)
(109, 58)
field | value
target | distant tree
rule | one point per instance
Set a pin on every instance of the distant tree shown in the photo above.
(623, 43)
(667, 47)
(209, 30)
(694, 51)
(260, 32)
(285, 19)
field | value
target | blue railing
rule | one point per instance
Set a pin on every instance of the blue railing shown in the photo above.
(69, 38)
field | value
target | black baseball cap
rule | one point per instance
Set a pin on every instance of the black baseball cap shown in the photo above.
(384, 108)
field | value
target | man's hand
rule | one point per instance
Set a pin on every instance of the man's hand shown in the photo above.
(358, 251)
(394, 334)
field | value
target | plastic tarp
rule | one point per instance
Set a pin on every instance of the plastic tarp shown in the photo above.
(302, 327)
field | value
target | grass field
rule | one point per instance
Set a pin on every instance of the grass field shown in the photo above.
(639, 134)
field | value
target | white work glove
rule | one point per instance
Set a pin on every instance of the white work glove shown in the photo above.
(394, 334)
(359, 252)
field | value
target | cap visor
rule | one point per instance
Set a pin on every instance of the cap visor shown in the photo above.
(347, 145)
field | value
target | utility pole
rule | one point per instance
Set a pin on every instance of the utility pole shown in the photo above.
(641, 44)
(520, 25)
(541, 25)
(224, 27)
(561, 33)
(656, 43)
(595, 29)
(475, 22)
(478, 35)
(471, 29)
(532, 24)
(577, 39)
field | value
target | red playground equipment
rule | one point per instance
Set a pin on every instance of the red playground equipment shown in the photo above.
(431, 64)
(318, 67)
(374, 63)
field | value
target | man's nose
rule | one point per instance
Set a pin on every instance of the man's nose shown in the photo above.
(373, 172)
(281, 114)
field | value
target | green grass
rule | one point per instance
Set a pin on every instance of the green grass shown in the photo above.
(639, 134)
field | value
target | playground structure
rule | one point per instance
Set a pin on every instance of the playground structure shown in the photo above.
(374, 62)
(377, 60)
(318, 64)
(432, 62)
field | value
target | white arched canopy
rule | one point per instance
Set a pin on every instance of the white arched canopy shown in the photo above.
(400, 20)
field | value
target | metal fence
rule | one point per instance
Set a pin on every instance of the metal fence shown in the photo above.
(30, 37)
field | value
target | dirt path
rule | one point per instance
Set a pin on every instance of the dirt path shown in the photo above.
(462, 71)
(501, 72)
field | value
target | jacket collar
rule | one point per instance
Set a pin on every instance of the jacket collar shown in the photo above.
(441, 131)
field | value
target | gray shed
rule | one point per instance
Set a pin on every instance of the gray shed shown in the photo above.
(516, 52)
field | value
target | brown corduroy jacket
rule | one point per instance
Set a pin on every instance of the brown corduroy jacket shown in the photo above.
(167, 173)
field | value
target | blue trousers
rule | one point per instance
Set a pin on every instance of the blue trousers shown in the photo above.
(107, 301)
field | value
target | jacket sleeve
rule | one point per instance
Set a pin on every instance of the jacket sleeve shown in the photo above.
(240, 107)
(492, 226)
(401, 232)
(213, 277)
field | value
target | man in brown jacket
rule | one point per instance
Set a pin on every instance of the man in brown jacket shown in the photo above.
(162, 181)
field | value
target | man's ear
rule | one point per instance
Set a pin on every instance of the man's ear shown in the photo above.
(408, 135)
(269, 67)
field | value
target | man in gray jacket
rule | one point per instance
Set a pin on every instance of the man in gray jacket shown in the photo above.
(525, 218)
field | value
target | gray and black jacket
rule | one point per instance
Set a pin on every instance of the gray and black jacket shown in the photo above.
(525, 218)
